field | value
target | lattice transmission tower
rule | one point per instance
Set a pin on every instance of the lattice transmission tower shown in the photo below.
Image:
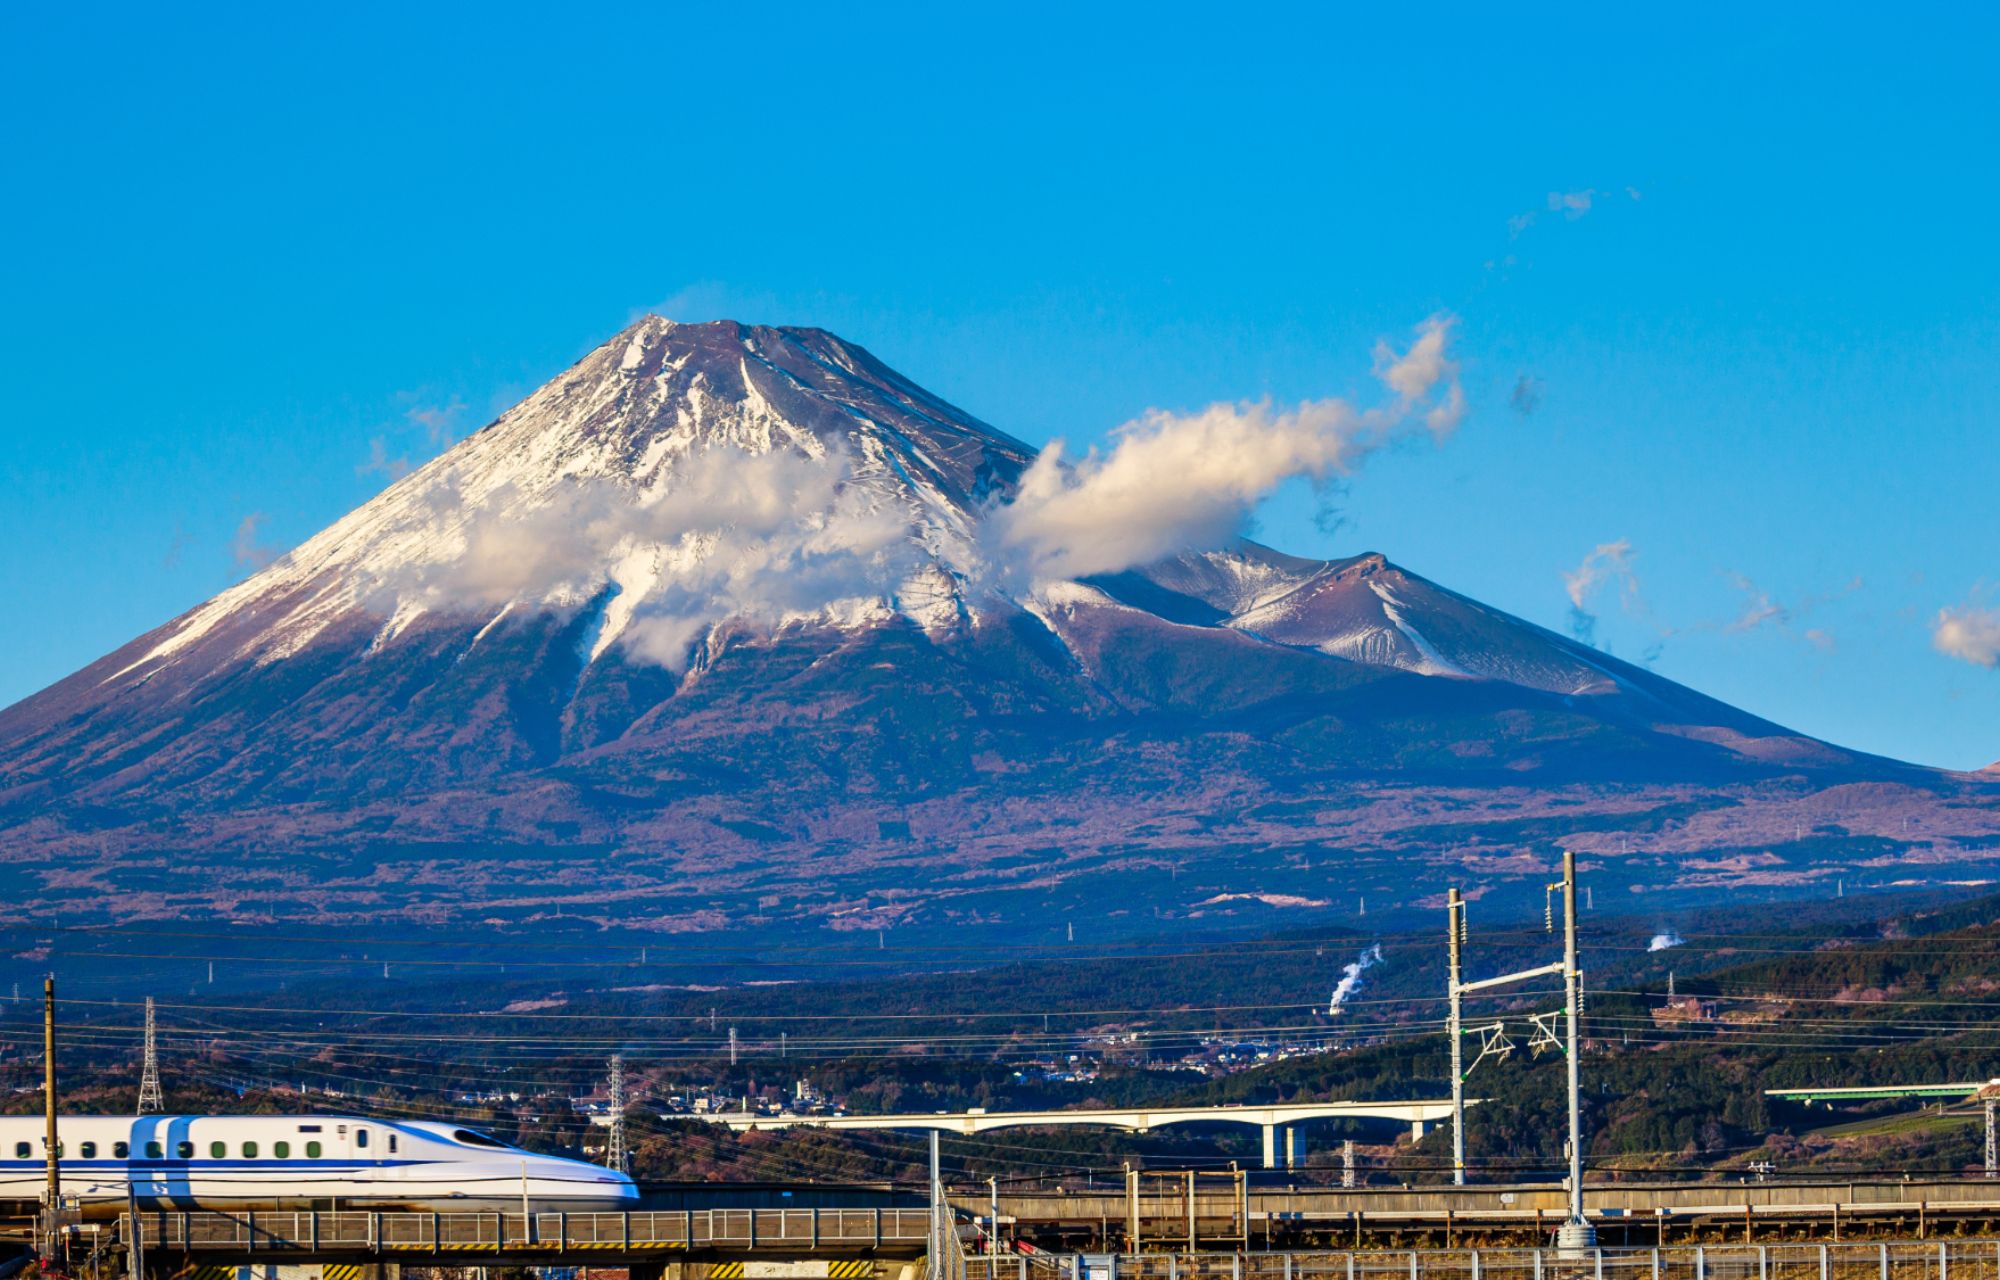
(614, 1151)
(150, 1101)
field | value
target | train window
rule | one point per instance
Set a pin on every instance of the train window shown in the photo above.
(392, 1144)
(88, 1151)
(471, 1139)
(22, 1151)
(154, 1151)
(120, 1150)
(361, 1137)
(312, 1150)
(281, 1149)
(249, 1151)
(217, 1150)
(184, 1150)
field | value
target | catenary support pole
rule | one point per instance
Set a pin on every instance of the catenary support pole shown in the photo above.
(1455, 1029)
(52, 1197)
(1577, 1233)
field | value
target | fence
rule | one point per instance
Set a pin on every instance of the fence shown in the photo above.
(1941, 1260)
(251, 1233)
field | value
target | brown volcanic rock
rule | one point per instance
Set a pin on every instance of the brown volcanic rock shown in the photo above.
(335, 738)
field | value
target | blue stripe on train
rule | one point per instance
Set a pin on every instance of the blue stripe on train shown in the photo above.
(145, 1165)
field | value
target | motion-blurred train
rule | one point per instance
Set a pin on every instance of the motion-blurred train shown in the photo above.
(219, 1162)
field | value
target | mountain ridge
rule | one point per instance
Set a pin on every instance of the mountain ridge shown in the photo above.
(728, 618)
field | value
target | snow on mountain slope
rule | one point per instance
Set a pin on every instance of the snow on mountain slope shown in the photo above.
(622, 463)
(682, 476)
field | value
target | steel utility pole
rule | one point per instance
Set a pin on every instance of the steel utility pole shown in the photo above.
(52, 1198)
(937, 1265)
(150, 1100)
(1577, 1233)
(1992, 1143)
(1455, 1028)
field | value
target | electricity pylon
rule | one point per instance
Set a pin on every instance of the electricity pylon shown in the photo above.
(614, 1154)
(150, 1100)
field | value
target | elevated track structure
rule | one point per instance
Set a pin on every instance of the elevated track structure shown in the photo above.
(1281, 1122)
(852, 1243)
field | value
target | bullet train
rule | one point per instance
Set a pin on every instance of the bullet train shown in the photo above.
(221, 1162)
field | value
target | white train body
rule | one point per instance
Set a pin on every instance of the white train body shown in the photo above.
(182, 1162)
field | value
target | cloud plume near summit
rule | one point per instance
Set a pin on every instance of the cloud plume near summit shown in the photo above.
(1173, 482)
(783, 528)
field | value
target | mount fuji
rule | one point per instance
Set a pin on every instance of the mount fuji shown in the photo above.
(735, 627)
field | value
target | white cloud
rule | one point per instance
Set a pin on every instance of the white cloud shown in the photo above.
(1571, 205)
(1172, 481)
(439, 421)
(1968, 632)
(1758, 609)
(1608, 562)
(380, 463)
(247, 548)
(758, 536)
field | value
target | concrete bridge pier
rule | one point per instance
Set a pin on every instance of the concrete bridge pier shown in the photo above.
(1293, 1137)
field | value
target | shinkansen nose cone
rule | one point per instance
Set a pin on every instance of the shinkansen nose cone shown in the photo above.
(248, 1162)
(572, 1184)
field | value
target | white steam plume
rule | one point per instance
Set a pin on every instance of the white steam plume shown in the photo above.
(1664, 940)
(1350, 978)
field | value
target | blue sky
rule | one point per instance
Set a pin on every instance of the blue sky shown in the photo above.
(251, 253)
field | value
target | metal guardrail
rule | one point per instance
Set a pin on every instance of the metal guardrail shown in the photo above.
(250, 1233)
(1906, 1260)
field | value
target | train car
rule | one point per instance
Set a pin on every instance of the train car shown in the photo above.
(223, 1162)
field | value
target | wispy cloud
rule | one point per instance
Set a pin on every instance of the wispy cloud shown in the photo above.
(1761, 610)
(1526, 396)
(380, 463)
(176, 548)
(1969, 632)
(439, 421)
(248, 547)
(1567, 205)
(1758, 610)
(1609, 563)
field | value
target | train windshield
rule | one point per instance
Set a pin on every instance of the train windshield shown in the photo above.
(471, 1139)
